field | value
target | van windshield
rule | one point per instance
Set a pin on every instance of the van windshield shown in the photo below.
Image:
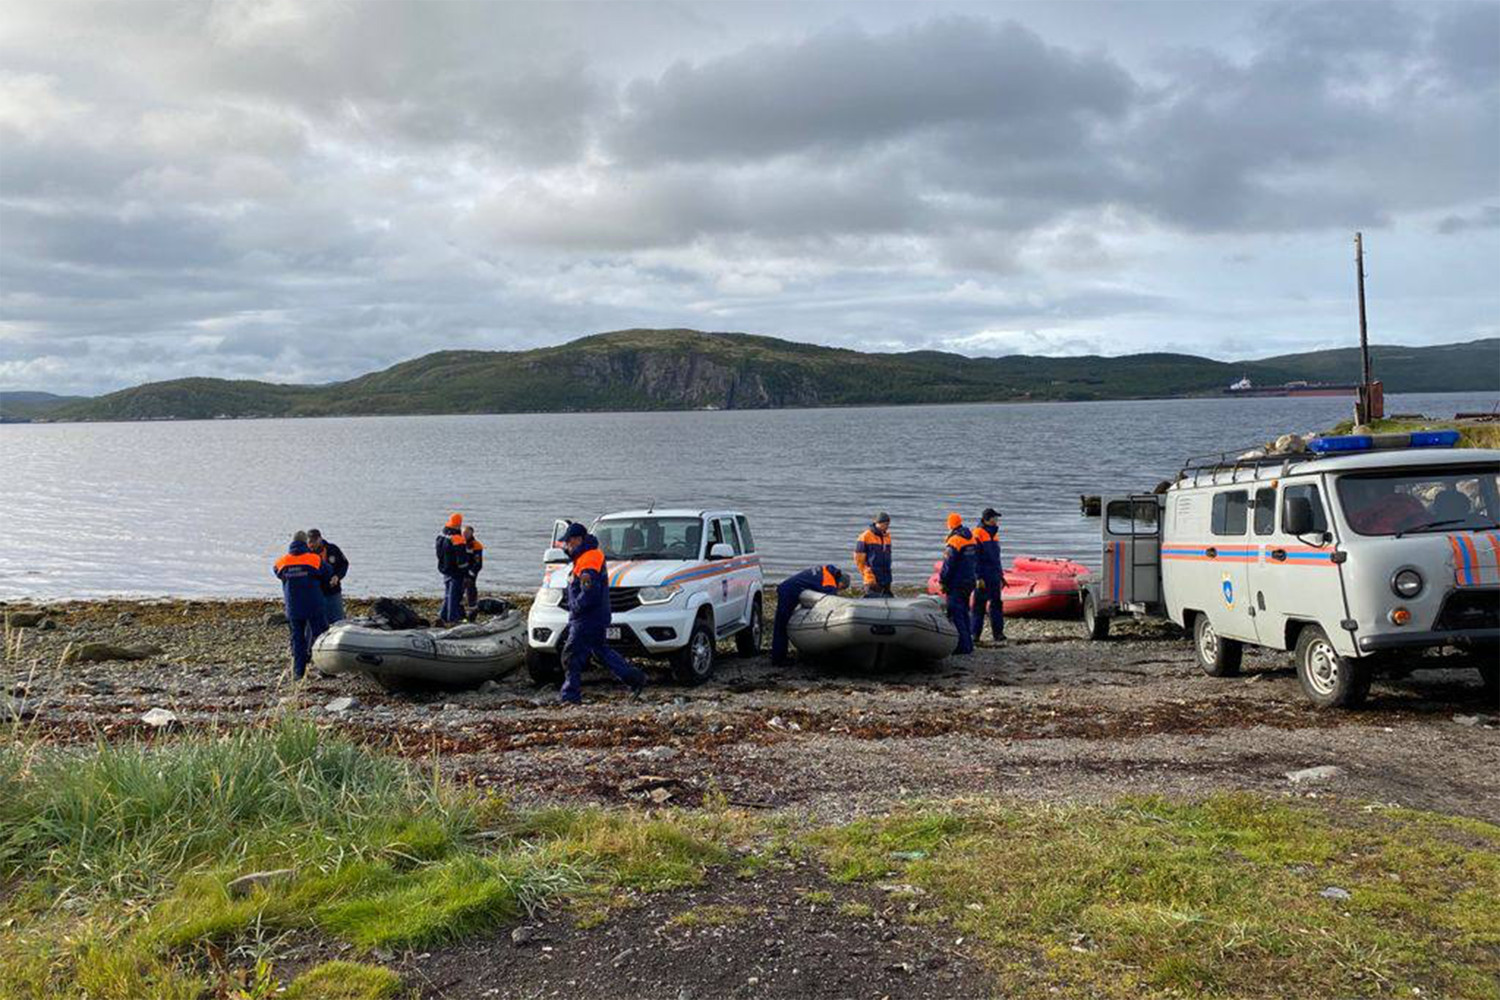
(650, 538)
(1410, 501)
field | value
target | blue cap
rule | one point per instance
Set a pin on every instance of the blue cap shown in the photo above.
(575, 530)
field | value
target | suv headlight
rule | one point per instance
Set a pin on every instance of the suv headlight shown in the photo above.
(1407, 583)
(658, 595)
(549, 597)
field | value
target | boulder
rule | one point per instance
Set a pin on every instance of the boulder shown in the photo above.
(101, 652)
(338, 706)
(1308, 774)
(243, 885)
(160, 718)
(275, 618)
(24, 619)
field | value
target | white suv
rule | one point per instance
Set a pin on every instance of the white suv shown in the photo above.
(679, 581)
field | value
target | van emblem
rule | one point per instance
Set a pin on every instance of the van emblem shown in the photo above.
(1228, 591)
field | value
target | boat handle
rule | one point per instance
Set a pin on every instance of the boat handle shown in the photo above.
(1279, 555)
(370, 659)
(882, 630)
(1211, 553)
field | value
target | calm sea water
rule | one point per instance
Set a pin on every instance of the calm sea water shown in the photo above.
(202, 508)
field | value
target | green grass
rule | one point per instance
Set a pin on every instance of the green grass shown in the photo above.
(344, 981)
(1149, 898)
(119, 859)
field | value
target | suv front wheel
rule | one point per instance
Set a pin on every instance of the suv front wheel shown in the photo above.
(694, 663)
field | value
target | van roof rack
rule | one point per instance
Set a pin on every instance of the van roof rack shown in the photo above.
(1215, 463)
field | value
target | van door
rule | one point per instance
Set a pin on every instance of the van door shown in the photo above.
(1229, 555)
(1296, 578)
(1132, 553)
(730, 590)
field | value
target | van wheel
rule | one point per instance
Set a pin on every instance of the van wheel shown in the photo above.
(747, 640)
(1095, 625)
(694, 663)
(1328, 679)
(1217, 656)
(544, 669)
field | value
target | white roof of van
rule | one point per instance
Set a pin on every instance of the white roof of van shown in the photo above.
(667, 512)
(1360, 461)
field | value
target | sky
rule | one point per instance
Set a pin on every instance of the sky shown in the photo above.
(304, 191)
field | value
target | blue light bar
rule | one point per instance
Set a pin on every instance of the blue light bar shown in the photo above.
(1340, 442)
(1434, 439)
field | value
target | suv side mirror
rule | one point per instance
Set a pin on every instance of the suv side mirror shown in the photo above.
(555, 555)
(720, 550)
(1297, 518)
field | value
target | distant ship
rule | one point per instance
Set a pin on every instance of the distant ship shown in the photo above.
(1244, 387)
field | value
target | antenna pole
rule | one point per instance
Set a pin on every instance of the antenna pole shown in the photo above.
(1362, 407)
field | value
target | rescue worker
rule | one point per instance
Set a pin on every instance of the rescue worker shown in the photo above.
(990, 576)
(476, 563)
(872, 554)
(338, 568)
(302, 573)
(957, 579)
(453, 564)
(823, 579)
(588, 617)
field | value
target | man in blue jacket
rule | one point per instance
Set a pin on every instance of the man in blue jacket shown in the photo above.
(453, 564)
(872, 556)
(338, 568)
(957, 577)
(588, 617)
(302, 573)
(991, 576)
(823, 579)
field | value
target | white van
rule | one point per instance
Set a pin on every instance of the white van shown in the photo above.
(1351, 555)
(679, 581)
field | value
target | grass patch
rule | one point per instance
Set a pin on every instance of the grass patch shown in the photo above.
(344, 981)
(857, 911)
(1215, 898)
(117, 862)
(715, 915)
(1470, 434)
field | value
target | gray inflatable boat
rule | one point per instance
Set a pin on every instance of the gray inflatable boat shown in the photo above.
(458, 657)
(869, 633)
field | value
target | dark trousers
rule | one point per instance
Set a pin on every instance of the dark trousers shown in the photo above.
(453, 598)
(471, 590)
(878, 589)
(304, 631)
(989, 593)
(786, 603)
(583, 646)
(958, 613)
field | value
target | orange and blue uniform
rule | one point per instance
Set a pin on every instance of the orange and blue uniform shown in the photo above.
(957, 576)
(588, 617)
(824, 579)
(991, 581)
(872, 554)
(453, 564)
(471, 579)
(302, 573)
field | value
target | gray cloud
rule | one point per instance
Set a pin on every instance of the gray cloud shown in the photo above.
(304, 192)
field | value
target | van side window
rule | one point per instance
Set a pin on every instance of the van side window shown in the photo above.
(1265, 510)
(1229, 512)
(1310, 492)
(745, 537)
(1128, 517)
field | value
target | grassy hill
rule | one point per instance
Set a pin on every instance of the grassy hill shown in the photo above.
(688, 369)
(19, 406)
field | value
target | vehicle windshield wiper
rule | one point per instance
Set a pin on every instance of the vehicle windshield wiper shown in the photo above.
(1443, 524)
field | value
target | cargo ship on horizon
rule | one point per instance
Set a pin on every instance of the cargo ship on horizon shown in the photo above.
(1244, 387)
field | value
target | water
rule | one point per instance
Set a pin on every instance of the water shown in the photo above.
(202, 508)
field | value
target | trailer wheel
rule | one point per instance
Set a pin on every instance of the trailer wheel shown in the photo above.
(694, 663)
(544, 669)
(1217, 656)
(1328, 679)
(1095, 625)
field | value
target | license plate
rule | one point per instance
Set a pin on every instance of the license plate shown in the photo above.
(612, 633)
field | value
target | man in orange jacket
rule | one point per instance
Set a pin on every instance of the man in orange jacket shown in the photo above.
(872, 554)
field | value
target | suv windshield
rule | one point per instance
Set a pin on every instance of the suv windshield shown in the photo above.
(650, 538)
(1392, 503)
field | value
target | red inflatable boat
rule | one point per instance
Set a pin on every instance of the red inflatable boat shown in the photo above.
(1034, 587)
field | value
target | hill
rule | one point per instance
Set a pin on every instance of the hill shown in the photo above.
(19, 406)
(688, 369)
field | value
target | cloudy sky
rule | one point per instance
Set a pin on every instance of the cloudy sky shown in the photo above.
(304, 191)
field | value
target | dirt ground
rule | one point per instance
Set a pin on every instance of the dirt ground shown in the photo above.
(1047, 716)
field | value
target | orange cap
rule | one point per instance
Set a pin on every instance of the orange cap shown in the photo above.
(455, 520)
(954, 520)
